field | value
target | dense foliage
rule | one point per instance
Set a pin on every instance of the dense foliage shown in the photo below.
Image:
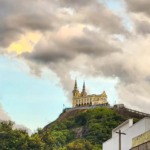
(86, 130)
(13, 139)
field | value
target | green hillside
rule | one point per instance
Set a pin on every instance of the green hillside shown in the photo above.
(81, 129)
(73, 130)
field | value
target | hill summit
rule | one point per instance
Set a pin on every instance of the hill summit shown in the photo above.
(80, 128)
(84, 128)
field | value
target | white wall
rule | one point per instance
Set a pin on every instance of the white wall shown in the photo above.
(131, 132)
(123, 127)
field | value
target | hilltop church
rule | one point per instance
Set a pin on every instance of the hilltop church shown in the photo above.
(83, 99)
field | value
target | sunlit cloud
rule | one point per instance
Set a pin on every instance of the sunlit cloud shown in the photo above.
(97, 39)
(26, 43)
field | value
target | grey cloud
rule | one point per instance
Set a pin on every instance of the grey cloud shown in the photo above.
(48, 56)
(100, 16)
(46, 16)
(118, 68)
(96, 14)
(17, 18)
(93, 53)
(22, 127)
(135, 96)
(77, 3)
(3, 115)
(139, 6)
(142, 27)
(7, 35)
(91, 44)
(139, 13)
(35, 22)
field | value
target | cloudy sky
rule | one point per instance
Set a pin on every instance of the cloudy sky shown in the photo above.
(46, 44)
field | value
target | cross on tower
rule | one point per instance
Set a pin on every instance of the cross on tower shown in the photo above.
(120, 133)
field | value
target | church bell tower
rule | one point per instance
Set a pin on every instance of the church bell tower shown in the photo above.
(83, 93)
(75, 91)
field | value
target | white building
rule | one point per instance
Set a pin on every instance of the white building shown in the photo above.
(131, 130)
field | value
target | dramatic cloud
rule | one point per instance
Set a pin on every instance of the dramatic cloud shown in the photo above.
(18, 18)
(85, 36)
(58, 49)
(96, 14)
(132, 68)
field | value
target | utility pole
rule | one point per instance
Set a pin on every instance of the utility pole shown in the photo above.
(120, 133)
